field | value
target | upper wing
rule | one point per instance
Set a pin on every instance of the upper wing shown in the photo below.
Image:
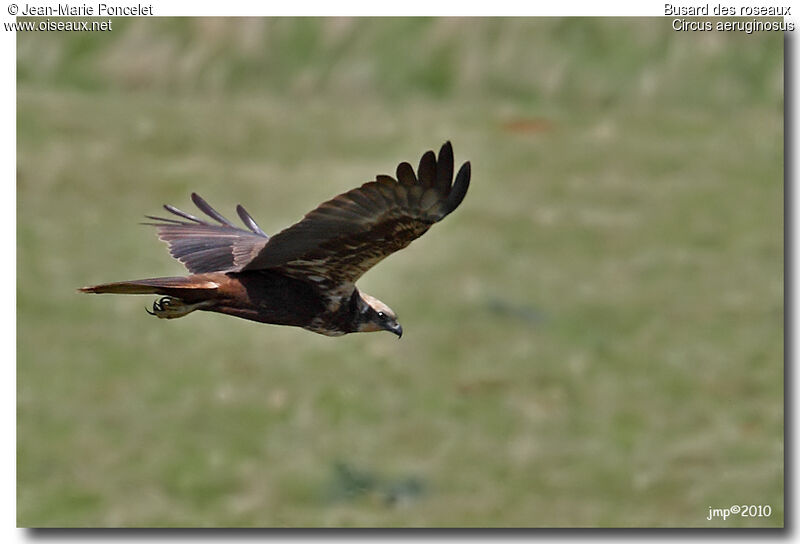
(206, 247)
(344, 237)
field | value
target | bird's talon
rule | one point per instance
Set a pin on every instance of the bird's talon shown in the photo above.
(159, 307)
(171, 308)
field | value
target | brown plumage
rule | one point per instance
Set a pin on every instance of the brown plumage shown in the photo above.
(305, 275)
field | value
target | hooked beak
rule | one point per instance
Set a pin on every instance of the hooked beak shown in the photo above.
(395, 328)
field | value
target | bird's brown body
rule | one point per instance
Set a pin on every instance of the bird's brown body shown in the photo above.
(305, 275)
(270, 297)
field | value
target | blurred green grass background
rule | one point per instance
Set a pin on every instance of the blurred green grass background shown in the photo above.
(593, 339)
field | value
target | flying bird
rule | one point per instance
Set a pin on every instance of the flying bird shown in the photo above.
(305, 275)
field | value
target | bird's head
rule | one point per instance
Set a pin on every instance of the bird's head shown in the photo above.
(374, 315)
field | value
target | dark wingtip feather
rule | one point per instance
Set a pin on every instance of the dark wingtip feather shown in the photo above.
(444, 168)
(385, 179)
(206, 208)
(249, 221)
(181, 213)
(162, 221)
(426, 172)
(405, 174)
(459, 190)
(446, 149)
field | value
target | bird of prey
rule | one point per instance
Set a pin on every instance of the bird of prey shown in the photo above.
(305, 275)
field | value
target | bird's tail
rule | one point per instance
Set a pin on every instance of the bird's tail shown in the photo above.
(180, 287)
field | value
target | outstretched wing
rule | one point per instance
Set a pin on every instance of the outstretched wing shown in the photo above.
(207, 247)
(346, 236)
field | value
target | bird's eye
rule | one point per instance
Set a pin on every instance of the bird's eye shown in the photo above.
(381, 315)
